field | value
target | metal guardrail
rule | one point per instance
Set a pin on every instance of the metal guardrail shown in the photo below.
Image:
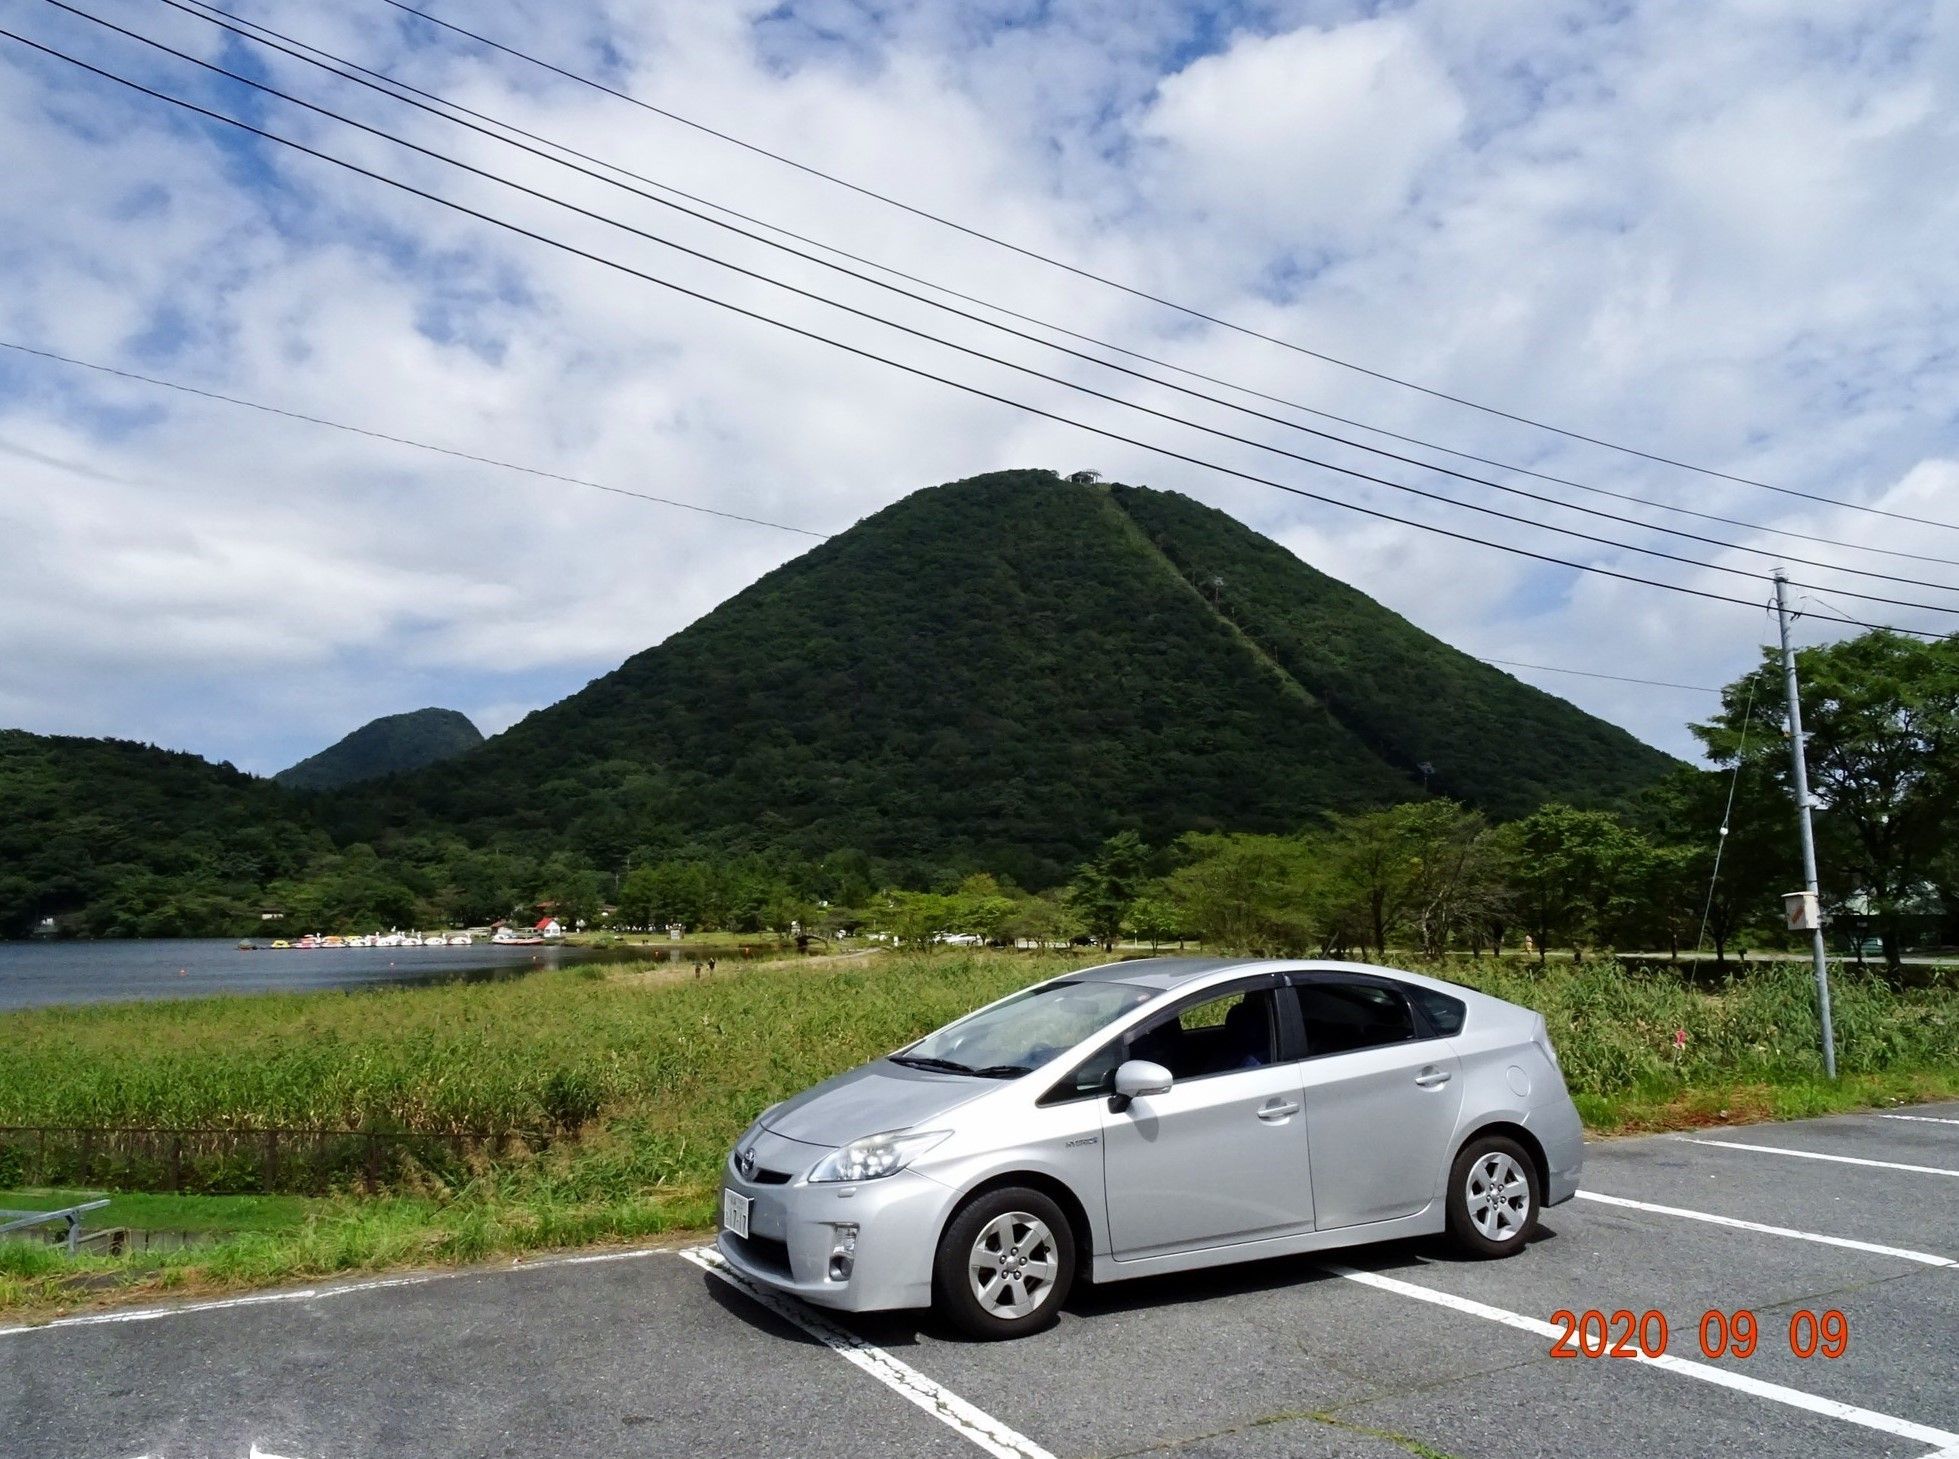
(21, 1220)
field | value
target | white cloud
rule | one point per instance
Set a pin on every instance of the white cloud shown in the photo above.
(1307, 140)
(1723, 231)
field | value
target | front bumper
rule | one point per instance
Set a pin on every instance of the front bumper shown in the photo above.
(792, 1232)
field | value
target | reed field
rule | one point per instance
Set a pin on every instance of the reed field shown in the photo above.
(642, 1079)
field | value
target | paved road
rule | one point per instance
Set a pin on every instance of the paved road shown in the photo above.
(1395, 1350)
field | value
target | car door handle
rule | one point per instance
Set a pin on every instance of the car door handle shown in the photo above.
(1272, 1112)
(1432, 1078)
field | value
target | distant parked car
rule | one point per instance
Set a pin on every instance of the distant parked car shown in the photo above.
(1154, 1116)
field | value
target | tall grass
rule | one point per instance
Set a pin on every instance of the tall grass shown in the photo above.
(675, 1066)
(659, 1076)
(1644, 1047)
(676, 1063)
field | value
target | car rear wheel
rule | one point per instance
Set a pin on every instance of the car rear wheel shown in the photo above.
(1005, 1264)
(1493, 1197)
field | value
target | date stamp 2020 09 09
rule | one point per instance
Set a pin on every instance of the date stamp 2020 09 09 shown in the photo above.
(1625, 1334)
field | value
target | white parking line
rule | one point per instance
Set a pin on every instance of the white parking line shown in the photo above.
(1926, 1257)
(1920, 1119)
(903, 1379)
(1883, 1423)
(186, 1309)
(310, 1294)
(1819, 1155)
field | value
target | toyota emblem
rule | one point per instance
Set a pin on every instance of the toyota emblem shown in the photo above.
(745, 1161)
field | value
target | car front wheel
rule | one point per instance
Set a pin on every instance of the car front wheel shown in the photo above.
(1005, 1264)
(1493, 1197)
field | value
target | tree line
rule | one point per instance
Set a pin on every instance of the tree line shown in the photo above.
(1701, 859)
(129, 841)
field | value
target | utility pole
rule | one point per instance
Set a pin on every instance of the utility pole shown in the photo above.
(1800, 768)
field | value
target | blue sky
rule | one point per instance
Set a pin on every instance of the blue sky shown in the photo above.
(1719, 231)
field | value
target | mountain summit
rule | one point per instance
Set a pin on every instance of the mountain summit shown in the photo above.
(1002, 671)
(389, 745)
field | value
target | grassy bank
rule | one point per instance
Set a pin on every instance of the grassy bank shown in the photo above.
(656, 1074)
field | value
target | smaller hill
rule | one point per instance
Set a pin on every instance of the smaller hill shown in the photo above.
(119, 839)
(385, 746)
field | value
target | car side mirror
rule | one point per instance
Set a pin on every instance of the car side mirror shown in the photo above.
(1136, 1078)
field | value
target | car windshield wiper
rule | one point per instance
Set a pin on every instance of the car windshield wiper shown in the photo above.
(941, 1066)
(1003, 1071)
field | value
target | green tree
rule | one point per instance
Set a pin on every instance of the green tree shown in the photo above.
(983, 908)
(639, 898)
(1453, 879)
(1687, 886)
(913, 919)
(1153, 917)
(1245, 893)
(1107, 885)
(1881, 718)
(1369, 857)
(1047, 920)
(1570, 873)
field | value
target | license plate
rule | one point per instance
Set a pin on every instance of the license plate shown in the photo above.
(734, 1213)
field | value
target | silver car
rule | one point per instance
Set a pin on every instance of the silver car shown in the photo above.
(1154, 1116)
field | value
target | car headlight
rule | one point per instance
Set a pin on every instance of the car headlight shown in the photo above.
(875, 1156)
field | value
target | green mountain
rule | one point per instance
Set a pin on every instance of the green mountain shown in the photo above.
(999, 673)
(390, 745)
(149, 841)
(1487, 738)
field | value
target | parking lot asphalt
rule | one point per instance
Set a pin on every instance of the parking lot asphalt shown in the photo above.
(1377, 1351)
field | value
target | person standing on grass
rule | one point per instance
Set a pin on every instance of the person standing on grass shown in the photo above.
(710, 965)
(697, 967)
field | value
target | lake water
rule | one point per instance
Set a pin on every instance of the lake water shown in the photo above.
(35, 974)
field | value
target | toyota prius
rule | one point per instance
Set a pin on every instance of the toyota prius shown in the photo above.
(1154, 1116)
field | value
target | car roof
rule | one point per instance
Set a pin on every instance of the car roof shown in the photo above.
(1174, 972)
(1162, 972)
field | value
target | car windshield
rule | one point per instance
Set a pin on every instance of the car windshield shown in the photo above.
(1025, 1031)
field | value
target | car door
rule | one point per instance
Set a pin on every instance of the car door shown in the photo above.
(1221, 1157)
(1382, 1097)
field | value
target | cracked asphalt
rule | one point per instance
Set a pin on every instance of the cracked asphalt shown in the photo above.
(649, 1354)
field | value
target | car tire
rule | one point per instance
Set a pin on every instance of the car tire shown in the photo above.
(1494, 1197)
(1005, 1264)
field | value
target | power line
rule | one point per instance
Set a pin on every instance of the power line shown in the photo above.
(919, 371)
(1145, 294)
(951, 344)
(257, 31)
(315, 420)
(402, 440)
(222, 19)
(1616, 678)
(1727, 813)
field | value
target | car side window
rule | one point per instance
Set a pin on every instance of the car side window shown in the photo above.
(1341, 1017)
(1444, 1014)
(1221, 1035)
(1093, 1076)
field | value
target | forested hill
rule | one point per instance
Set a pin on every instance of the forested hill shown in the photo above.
(148, 841)
(999, 673)
(386, 746)
(1487, 738)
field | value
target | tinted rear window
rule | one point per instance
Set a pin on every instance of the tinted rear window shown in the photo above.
(1444, 1013)
(1342, 1017)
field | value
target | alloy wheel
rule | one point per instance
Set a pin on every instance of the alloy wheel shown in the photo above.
(1013, 1264)
(1498, 1195)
